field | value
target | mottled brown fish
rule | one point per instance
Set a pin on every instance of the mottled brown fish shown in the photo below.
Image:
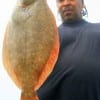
(30, 46)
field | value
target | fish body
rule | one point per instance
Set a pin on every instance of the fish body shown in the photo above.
(30, 46)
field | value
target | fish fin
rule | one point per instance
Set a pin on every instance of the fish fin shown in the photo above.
(28, 96)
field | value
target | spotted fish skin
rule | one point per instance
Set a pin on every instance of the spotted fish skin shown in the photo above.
(30, 46)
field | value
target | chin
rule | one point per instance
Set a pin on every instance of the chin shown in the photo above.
(67, 18)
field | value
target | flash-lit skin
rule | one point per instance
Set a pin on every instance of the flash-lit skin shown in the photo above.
(70, 10)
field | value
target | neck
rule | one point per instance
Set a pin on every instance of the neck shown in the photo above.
(74, 23)
(73, 20)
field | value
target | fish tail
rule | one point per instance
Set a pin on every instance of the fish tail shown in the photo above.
(28, 96)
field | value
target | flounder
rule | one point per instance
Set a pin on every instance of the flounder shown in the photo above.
(30, 46)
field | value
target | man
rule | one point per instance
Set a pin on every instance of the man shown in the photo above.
(76, 75)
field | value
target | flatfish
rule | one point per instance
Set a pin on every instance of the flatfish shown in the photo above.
(30, 46)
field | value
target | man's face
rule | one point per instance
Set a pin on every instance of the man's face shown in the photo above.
(70, 9)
